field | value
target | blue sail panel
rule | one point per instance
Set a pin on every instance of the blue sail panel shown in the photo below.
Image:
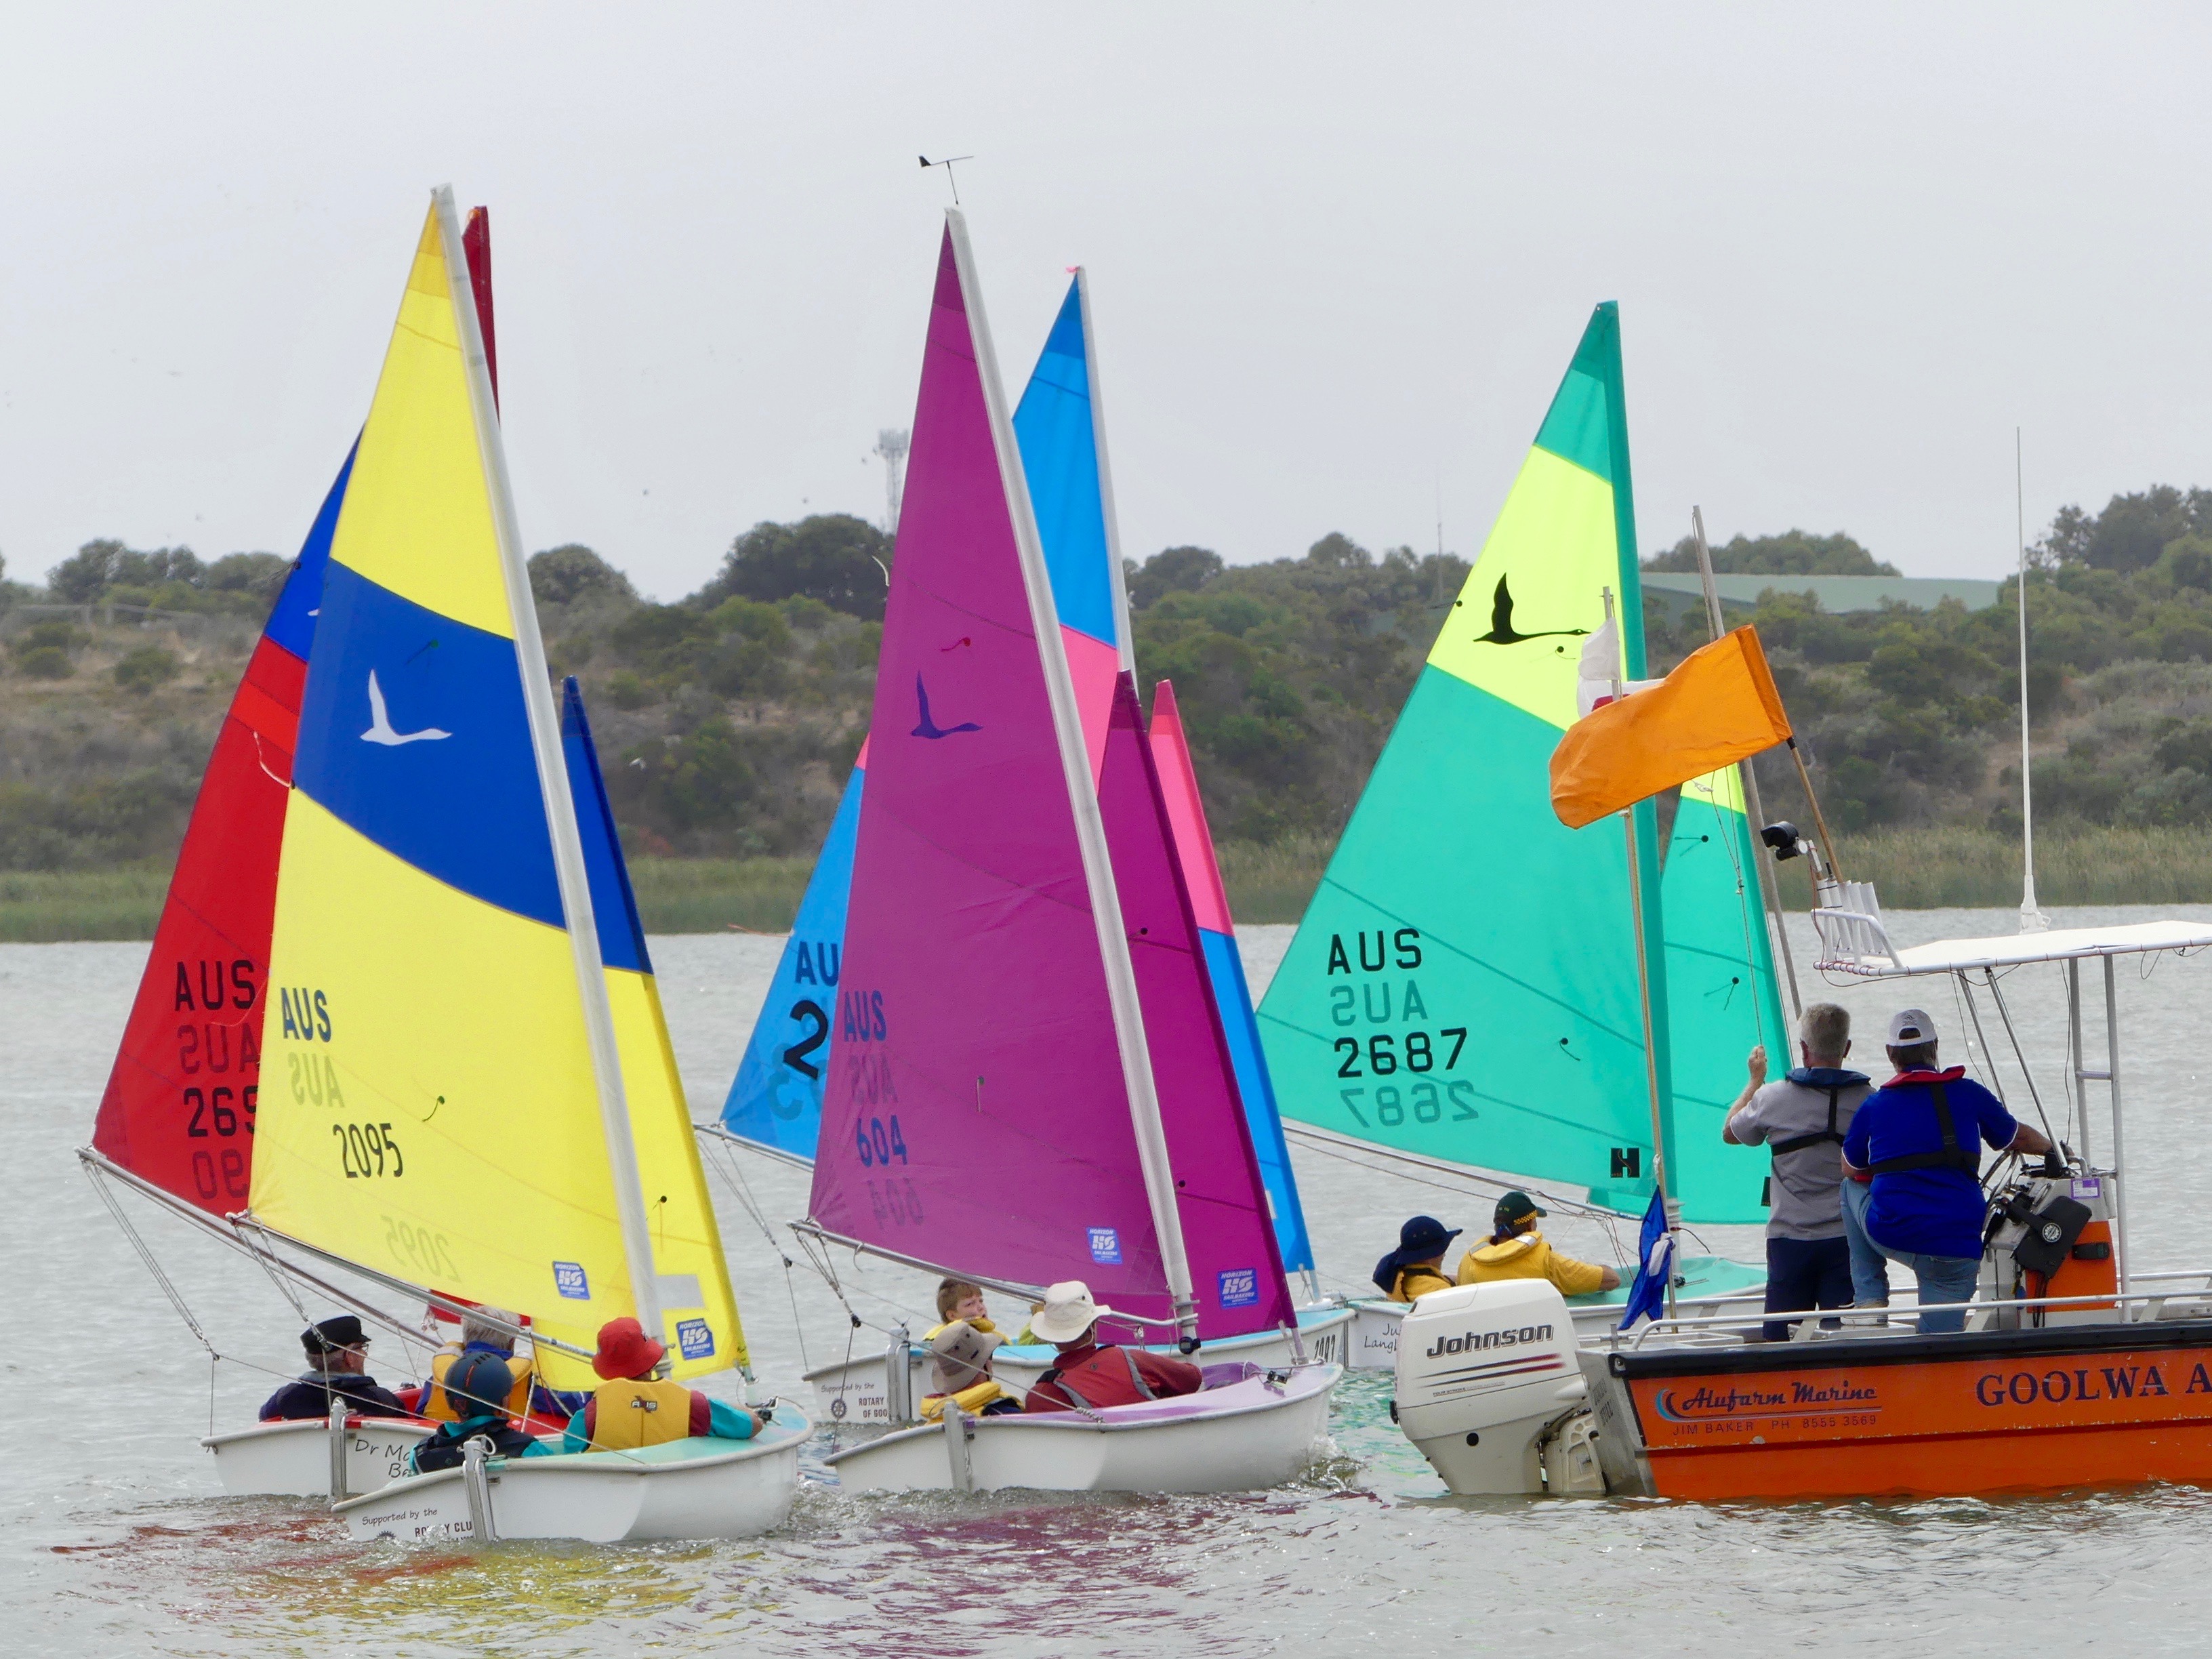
(1232, 995)
(1059, 454)
(775, 1100)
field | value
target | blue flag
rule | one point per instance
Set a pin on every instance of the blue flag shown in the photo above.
(1654, 1266)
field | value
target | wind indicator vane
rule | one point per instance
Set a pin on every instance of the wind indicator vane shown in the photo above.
(946, 163)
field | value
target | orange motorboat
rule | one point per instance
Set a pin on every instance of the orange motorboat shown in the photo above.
(2074, 1369)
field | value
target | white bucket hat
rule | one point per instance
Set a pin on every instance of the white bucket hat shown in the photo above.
(1068, 1312)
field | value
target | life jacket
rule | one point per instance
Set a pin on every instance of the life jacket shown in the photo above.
(435, 1405)
(442, 1450)
(629, 1415)
(1966, 1160)
(1782, 1149)
(969, 1400)
(1417, 1281)
(1093, 1364)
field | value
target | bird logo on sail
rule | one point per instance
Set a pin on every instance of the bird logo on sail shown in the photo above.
(379, 722)
(930, 728)
(1502, 631)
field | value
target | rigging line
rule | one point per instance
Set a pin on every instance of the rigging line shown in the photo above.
(161, 1279)
(1566, 1205)
(1743, 911)
(2019, 1056)
(733, 1177)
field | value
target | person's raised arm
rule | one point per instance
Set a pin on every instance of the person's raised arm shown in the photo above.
(1757, 1068)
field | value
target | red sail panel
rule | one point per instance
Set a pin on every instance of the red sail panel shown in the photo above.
(179, 1109)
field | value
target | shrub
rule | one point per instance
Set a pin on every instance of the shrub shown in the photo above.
(44, 662)
(148, 666)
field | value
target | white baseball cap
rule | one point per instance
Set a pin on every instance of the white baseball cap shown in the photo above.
(1909, 1027)
(1068, 1312)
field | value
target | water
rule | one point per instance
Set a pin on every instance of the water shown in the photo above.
(113, 1541)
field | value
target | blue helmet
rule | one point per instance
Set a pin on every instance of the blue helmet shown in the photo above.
(478, 1384)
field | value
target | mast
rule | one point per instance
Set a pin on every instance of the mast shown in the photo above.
(2031, 918)
(553, 782)
(1769, 888)
(1122, 635)
(1643, 988)
(1082, 798)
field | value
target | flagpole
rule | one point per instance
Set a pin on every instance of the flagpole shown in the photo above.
(1644, 991)
(1770, 888)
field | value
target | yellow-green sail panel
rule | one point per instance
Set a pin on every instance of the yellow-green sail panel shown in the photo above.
(1464, 983)
(430, 1109)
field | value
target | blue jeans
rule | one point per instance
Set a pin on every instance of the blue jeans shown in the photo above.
(1869, 1274)
(1804, 1273)
(1940, 1278)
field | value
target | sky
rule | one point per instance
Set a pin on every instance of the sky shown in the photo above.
(1339, 255)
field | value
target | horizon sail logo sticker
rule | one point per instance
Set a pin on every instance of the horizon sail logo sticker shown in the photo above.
(1106, 1247)
(568, 1278)
(695, 1338)
(1240, 1286)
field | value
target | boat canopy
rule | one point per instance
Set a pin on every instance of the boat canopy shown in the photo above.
(1951, 956)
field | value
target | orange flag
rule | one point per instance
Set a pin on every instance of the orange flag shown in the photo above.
(1718, 708)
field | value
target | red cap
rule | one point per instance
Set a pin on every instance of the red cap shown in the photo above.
(625, 1351)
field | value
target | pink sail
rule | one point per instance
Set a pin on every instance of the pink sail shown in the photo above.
(1234, 1269)
(975, 1117)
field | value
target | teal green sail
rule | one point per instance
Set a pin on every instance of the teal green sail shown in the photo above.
(1464, 984)
(1721, 994)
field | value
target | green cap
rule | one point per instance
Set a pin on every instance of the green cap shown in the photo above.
(1517, 1205)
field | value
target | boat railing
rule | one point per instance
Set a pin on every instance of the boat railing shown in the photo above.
(1854, 938)
(2136, 1307)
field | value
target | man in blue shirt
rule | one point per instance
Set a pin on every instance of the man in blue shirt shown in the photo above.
(1920, 1135)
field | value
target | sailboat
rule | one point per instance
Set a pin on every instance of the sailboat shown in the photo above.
(176, 1120)
(476, 1092)
(1462, 994)
(775, 1102)
(1029, 1083)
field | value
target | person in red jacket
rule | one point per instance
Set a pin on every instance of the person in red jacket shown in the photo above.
(1089, 1375)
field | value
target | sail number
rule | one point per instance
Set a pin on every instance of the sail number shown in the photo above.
(1382, 1058)
(427, 1253)
(219, 1112)
(1389, 1104)
(879, 1144)
(369, 1150)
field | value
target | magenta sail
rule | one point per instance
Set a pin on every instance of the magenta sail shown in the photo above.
(976, 1116)
(1234, 1269)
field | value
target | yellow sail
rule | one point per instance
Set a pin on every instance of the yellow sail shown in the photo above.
(429, 1106)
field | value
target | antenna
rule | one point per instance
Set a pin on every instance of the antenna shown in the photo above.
(947, 165)
(2031, 918)
(892, 443)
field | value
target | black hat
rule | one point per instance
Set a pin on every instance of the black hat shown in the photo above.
(1418, 1240)
(328, 1335)
(1518, 1207)
(478, 1384)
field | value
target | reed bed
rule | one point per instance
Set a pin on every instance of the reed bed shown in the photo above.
(1913, 869)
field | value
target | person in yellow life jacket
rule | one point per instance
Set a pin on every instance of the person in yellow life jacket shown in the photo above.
(1417, 1265)
(492, 1330)
(476, 1384)
(960, 1372)
(960, 1301)
(1516, 1250)
(634, 1408)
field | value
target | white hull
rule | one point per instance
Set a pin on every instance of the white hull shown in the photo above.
(678, 1490)
(1242, 1438)
(852, 1393)
(293, 1459)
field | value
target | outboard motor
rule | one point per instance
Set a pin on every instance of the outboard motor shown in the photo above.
(1487, 1378)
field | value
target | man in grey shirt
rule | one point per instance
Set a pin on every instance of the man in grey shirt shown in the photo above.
(1803, 1121)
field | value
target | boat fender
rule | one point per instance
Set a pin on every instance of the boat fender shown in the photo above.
(2049, 1238)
